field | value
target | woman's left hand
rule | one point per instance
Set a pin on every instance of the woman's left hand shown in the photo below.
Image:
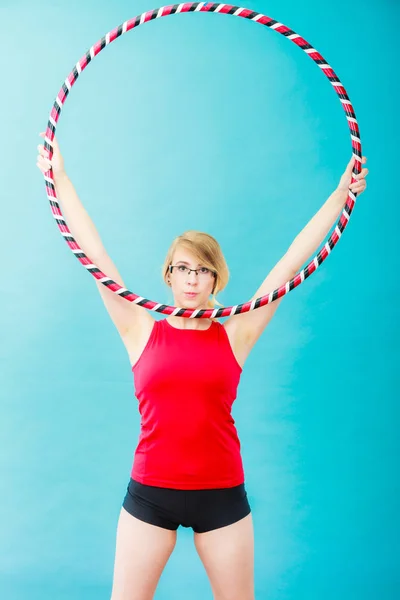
(359, 186)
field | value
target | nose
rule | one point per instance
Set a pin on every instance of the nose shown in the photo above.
(192, 277)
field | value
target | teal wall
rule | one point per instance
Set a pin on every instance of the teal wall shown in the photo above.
(218, 124)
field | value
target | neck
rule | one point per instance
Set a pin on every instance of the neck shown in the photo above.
(184, 323)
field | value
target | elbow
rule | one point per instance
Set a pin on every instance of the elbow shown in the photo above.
(291, 266)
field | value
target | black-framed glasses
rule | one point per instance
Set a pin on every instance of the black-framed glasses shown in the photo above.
(202, 272)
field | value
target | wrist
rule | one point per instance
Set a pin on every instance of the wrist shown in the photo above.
(340, 195)
(60, 176)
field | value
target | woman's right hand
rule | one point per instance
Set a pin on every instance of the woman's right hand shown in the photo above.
(56, 163)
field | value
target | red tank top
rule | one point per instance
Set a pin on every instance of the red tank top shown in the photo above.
(186, 382)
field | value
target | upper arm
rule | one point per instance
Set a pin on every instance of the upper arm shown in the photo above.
(127, 317)
(247, 327)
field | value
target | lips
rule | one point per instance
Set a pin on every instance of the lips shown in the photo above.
(191, 294)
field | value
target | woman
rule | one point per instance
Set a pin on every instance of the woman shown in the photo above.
(187, 468)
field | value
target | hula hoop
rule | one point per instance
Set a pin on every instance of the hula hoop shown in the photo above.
(224, 9)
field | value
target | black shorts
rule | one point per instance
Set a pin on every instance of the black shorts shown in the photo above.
(202, 510)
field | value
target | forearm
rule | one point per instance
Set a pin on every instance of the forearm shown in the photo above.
(79, 222)
(310, 238)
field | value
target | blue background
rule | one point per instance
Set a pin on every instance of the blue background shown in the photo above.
(213, 123)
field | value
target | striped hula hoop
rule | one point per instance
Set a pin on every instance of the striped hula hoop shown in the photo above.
(225, 9)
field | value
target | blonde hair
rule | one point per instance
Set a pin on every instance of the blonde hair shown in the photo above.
(208, 252)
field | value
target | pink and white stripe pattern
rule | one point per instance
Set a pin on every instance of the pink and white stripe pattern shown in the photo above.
(226, 9)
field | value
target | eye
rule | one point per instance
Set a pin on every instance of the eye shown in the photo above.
(204, 270)
(181, 268)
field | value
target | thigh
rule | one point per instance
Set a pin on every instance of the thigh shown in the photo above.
(142, 551)
(227, 554)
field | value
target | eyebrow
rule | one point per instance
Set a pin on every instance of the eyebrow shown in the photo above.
(186, 263)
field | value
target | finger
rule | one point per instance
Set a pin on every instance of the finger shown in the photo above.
(350, 165)
(42, 168)
(362, 175)
(358, 187)
(45, 163)
(358, 160)
(363, 160)
(54, 143)
(43, 151)
(354, 184)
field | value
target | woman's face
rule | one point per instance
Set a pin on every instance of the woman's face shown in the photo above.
(190, 290)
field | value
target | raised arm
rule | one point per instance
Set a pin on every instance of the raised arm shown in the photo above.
(129, 319)
(245, 329)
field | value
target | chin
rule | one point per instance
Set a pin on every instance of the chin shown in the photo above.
(193, 304)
